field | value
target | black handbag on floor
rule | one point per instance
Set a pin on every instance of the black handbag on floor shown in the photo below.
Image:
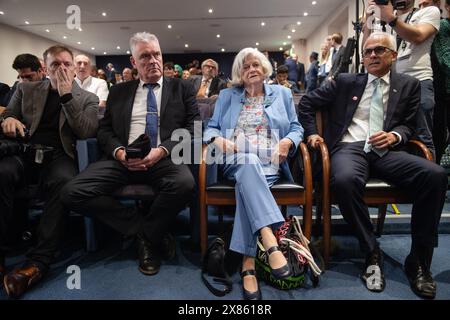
(214, 267)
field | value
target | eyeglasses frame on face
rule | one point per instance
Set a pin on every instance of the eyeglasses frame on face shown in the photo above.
(366, 53)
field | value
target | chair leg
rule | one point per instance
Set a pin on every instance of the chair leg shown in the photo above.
(326, 212)
(203, 228)
(91, 241)
(284, 210)
(382, 209)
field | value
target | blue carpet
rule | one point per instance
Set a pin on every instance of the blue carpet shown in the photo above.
(112, 273)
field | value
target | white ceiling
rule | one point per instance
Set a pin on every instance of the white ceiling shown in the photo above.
(237, 21)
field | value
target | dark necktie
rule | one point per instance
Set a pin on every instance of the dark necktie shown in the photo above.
(151, 119)
(333, 56)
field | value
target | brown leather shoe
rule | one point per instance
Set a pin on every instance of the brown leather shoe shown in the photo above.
(18, 281)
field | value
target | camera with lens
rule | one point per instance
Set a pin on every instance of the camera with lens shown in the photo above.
(397, 4)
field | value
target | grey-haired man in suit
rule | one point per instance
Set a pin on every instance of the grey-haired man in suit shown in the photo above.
(55, 113)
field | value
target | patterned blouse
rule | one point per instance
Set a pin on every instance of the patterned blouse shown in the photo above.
(253, 134)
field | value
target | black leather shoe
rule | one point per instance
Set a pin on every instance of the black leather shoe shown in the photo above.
(420, 278)
(149, 259)
(280, 273)
(168, 247)
(18, 281)
(247, 295)
(373, 275)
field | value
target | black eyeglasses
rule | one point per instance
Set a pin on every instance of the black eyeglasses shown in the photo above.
(378, 51)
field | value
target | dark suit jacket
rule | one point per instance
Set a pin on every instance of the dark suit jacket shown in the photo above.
(301, 73)
(340, 98)
(178, 110)
(77, 119)
(338, 64)
(216, 85)
(311, 76)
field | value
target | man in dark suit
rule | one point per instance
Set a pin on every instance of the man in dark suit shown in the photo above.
(337, 56)
(311, 75)
(208, 85)
(370, 117)
(55, 113)
(156, 106)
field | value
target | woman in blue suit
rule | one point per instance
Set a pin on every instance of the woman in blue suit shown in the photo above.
(255, 127)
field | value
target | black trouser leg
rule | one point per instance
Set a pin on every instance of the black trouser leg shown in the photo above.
(12, 174)
(54, 176)
(349, 173)
(175, 185)
(90, 194)
(427, 183)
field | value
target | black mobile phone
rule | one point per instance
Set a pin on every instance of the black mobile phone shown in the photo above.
(134, 153)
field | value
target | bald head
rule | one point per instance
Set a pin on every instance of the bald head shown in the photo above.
(82, 66)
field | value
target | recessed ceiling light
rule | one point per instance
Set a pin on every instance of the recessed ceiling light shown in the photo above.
(305, 13)
(118, 47)
(2, 13)
(281, 49)
(293, 30)
(169, 26)
(79, 29)
(223, 50)
(26, 22)
(104, 14)
(104, 52)
(79, 42)
(64, 37)
(288, 37)
(210, 10)
(314, 3)
(299, 23)
(218, 36)
(257, 44)
(263, 24)
(284, 43)
(92, 48)
(186, 45)
(128, 51)
(46, 30)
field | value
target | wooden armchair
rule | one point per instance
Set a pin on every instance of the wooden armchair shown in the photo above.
(285, 193)
(378, 192)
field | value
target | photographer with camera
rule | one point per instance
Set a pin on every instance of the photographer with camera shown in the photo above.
(415, 30)
(55, 113)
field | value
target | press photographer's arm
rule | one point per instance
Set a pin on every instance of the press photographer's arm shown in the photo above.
(415, 34)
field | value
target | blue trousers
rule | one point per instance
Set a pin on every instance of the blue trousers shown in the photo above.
(255, 206)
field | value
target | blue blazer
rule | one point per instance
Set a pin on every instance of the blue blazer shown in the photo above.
(278, 106)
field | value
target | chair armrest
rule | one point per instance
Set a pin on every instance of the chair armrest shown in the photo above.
(307, 168)
(87, 152)
(420, 149)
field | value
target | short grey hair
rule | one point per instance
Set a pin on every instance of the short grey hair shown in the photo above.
(238, 63)
(212, 61)
(141, 37)
(383, 35)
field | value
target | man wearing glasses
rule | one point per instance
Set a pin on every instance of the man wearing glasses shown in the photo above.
(370, 118)
(209, 84)
(51, 113)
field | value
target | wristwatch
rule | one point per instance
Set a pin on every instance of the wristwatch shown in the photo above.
(393, 23)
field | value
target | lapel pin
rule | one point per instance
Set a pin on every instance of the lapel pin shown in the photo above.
(355, 98)
(395, 90)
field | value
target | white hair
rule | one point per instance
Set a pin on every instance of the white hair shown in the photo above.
(141, 37)
(239, 62)
(384, 35)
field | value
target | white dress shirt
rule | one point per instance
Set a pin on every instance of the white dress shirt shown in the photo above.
(97, 86)
(138, 115)
(359, 127)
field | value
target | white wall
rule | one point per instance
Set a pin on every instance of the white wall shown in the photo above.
(14, 42)
(340, 20)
